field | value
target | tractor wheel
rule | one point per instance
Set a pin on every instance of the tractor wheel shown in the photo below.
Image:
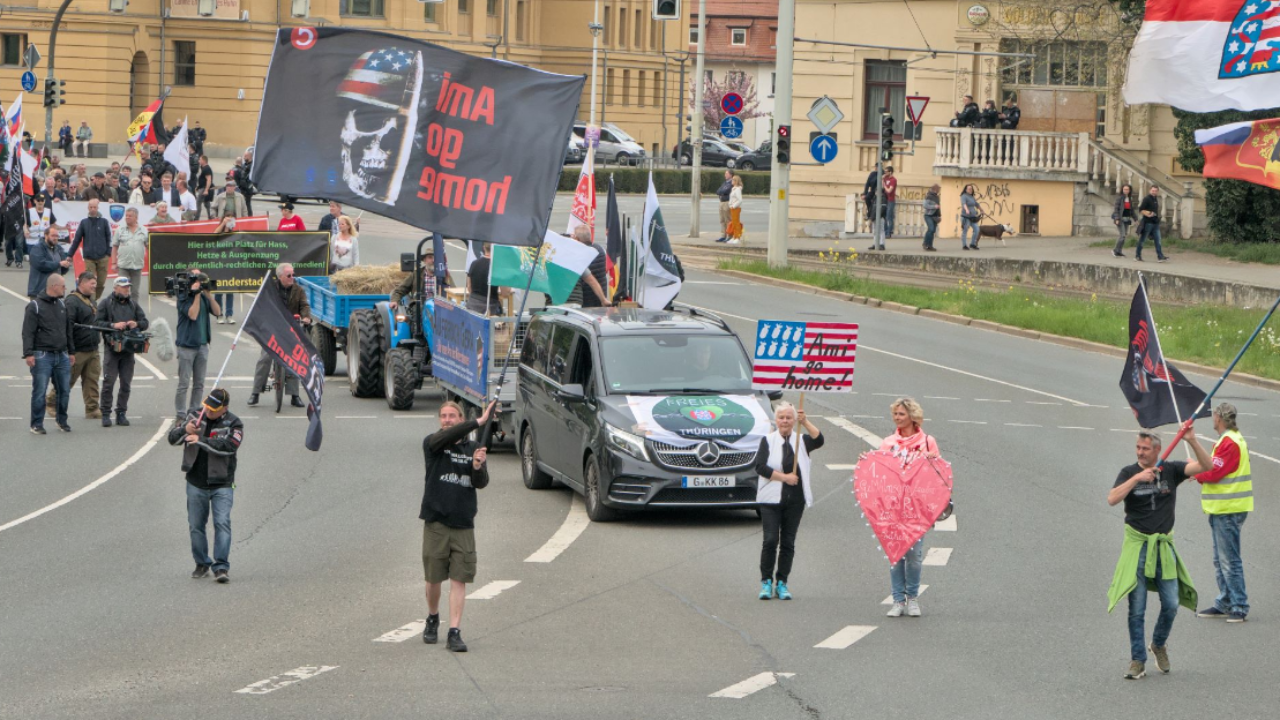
(364, 354)
(327, 345)
(400, 378)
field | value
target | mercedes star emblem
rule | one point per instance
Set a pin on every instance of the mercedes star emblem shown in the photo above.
(708, 453)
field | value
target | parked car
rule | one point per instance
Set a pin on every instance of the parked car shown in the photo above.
(759, 159)
(639, 409)
(714, 153)
(576, 152)
(737, 146)
(616, 145)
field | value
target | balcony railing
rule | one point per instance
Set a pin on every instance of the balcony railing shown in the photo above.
(1012, 150)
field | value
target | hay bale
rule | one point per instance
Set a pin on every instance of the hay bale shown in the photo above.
(368, 279)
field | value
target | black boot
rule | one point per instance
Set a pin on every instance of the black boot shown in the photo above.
(297, 402)
(253, 399)
(454, 643)
(106, 419)
(431, 635)
(121, 420)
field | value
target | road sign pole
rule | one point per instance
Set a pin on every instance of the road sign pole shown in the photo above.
(780, 178)
(695, 119)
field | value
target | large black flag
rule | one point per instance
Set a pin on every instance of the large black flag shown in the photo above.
(468, 147)
(1148, 376)
(274, 327)
(13, 213)
(616, 247)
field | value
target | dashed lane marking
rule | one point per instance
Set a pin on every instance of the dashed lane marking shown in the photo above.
(751, 685)
(991, 400)
(1021, 425)
(845, 637)
(283, 680)
(841, 467)
(1073, 427)
(493, 589)
(355, 417)
(939, 397)
(401, 634)
(969, 422)
(948, 525)
(1035, 402)
(889, 600)
(866, 435)
(146, 448)
(936, 556)
(576, 522)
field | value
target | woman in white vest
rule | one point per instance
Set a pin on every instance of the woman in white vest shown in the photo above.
(783, 493)
(907, 442)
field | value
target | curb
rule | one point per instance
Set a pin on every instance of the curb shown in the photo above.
(1062, 340)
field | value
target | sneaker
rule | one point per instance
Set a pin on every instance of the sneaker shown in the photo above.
(783, 592)
(38, 430)
(253, 399)
(913, 607)
(231, 321)
(973, 246)
(766, 589)
(964, 247)
(121, 420)
(897, 610)
(221, 576)
(1162, 657)
(1117, 253)
(93, 415)
(931, 249)
(106, 420)
(454, 642)
(297, 402)
(721, 238)
(222, 321)
(1137, 258)
(733, 241)
(431, 634)
(1236, 617)
(1136, 671)
(201, 571)
(1212, 612)
(1163, 259)
(64, 428)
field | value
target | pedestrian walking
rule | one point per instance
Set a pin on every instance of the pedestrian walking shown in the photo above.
(890, 200)
(84, 135)
(120, 311)
(187, 206)
(1149, 225)
(93, 237)
(723, 193)
(455, 469)
(204, 188)
(289, 222)
(194, 333)
(783, 492)
(226, 208)
(86, 366)
(329, 223)
(46, 347)
(1148, 560)
(908, 442)
(291, 294)
(970, 214)
(246, 186)
(1122, 216)
(932, 214)
(735, 212)
(210, 441)
(129, 250)
(47, 258)
(1226, 496)
(346, 245)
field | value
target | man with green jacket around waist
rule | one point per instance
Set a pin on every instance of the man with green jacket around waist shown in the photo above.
(1148, 560)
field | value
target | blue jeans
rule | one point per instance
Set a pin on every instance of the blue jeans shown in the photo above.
(56, 367)
(931, 228)
(904, 577)
(1150, 230)
(1168, 590)
(965, 226)
(198, 504)
(227, 301)
(1226, 562)
(891, 214)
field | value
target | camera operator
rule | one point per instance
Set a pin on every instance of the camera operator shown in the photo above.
(295, 299)
(195, 305)
(120, 312)
(210, 441)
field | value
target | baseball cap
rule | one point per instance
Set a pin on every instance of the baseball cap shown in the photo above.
(217, 400)
(122, 281)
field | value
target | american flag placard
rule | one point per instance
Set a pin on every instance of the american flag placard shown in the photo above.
(807, 356)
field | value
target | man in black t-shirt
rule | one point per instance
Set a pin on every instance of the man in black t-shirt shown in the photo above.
(1149, 498)
(592, 287)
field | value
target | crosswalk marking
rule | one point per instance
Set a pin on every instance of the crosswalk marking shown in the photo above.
(948, 525)
(753, 684)
(937, 556)
(889, 600)
(847, 636)
(493, 589)
(275, 682)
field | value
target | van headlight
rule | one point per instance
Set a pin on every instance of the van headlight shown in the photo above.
(624, 441)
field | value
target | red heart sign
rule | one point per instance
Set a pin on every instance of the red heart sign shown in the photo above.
(901, 501)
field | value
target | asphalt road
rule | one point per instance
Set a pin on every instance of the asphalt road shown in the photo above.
(648, 617)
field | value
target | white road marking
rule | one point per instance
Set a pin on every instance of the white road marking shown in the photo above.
(154, 370)
(866, 435)
(948, 525)
(493, 589)
(1073, 427)
(275, 682)
(939, 397)
(1034, 402)
(237, 378)
(573, 525)
(1264, 457)
(841, 467)
(969, 422)
(355, 417)
(146, 448)
(991, 400)
(936, 556)
(889, 600)
(1124, 430)
(1248, 414)
(23, 298)
(753, 684)
(1022, 425)
(8, 377)
(892, 395)
(847, 636)
(708, 282)
(10, 418)
(401, 634)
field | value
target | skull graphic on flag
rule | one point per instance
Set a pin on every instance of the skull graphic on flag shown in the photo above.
(1253, 41)
(383, 88)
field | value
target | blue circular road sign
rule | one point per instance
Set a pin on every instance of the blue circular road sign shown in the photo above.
(731, 127)
(823, 148)
(731, 103)
(28, 81)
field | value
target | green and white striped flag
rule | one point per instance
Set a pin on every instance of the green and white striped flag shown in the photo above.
(560, 264)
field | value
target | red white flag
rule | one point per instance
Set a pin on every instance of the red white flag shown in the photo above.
(1248, 151)
(808, 356)
(1207, 55)
(584, 197)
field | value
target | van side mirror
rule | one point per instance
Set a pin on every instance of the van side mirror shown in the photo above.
(775, 395)
(571, 392)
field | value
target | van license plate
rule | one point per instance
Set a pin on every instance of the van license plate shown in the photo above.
(707, 481)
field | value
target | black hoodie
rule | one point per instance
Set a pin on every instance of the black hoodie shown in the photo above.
(449, 495)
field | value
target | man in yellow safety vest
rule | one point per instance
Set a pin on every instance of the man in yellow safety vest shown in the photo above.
(1226, 496)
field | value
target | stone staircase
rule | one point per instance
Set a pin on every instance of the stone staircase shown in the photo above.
(1109, 169)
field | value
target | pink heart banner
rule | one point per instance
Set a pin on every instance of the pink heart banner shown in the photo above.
(901, 500)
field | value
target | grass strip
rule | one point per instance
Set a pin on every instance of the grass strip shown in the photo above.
(1206, 334)
(1265, 253)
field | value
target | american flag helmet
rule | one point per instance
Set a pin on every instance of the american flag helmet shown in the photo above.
(386, 78)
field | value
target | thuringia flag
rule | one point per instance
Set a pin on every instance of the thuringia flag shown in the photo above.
(1207, 55)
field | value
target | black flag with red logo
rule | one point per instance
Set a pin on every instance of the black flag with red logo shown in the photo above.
(1148, 377)
(282, 336)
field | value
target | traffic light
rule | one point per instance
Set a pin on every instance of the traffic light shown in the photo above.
(666, 9)
(54, 95)
(886, 137)
(783, 143)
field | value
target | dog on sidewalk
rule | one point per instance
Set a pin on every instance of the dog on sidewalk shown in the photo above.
(996, 231)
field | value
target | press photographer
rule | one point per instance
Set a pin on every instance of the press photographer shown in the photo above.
(193, 291)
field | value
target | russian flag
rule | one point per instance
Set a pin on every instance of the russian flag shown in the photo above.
(13, 118)
(1248, 151)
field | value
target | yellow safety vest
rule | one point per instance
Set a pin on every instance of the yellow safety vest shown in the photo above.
(1233, 493)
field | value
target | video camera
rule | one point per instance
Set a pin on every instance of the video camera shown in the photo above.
(180, 284)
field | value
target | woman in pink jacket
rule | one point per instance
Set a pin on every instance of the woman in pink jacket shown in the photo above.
(908, 442)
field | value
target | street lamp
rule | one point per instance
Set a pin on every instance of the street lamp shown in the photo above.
(595, 28)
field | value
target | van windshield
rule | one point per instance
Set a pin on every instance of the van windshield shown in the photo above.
(671, 364)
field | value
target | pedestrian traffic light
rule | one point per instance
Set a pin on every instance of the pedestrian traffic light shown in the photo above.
(886, 137)
(54, 95)
(783, 143)
(666, 9)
